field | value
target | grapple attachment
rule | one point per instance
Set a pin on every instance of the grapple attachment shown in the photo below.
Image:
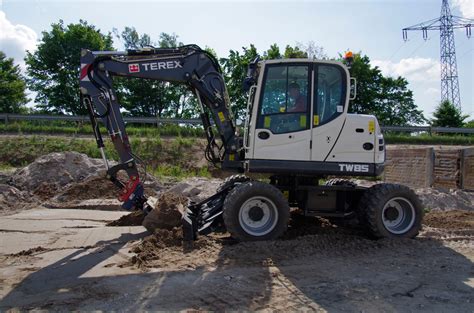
(204, 217)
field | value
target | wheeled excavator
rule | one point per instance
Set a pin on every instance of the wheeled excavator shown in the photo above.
(297, 132)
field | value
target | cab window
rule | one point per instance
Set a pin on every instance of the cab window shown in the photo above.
(330, 87)
(284, 101)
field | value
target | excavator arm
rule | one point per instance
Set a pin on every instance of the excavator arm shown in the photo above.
(189, 65)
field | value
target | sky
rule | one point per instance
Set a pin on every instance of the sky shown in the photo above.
(372, 27)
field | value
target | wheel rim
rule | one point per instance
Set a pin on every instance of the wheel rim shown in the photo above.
(398, 215)
(258, 216)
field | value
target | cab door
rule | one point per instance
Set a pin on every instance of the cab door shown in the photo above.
(282, 130)
(329, 105)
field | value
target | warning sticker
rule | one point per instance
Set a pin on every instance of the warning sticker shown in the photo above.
(371, 126)
(316, 120)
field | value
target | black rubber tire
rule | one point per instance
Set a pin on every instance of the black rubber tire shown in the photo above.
(374, 199)
(232, 180)
(340, 182)
(241, 193)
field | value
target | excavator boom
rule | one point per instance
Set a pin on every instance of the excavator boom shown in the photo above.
(189, 65)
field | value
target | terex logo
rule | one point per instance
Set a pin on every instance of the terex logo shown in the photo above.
(134, 68)
(354, 167)
(161, 65)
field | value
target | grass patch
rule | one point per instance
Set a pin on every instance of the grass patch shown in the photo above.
(76, 128)
(167, 170)
(426, 139)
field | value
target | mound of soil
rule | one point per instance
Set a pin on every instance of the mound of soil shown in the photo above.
(167, 212)
(50, 172)
(133, 219)
(94, 187)
(452, 220)
(444, 200)
(196, 188)
(10, 198)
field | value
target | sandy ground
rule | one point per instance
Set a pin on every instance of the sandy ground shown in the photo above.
(77, 262)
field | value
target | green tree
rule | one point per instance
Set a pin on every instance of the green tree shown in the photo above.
(272, 53)
(294, 53)
(448, 115)
(235, 70)
(469, 124)
(12, 87)
(389, 99)
(53, 69)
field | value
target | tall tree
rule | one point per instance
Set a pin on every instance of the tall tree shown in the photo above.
(53, 69)
(272, 53)
(448, 115)
(12, 87)
(294, 53)
(389, 99)
(235, 70)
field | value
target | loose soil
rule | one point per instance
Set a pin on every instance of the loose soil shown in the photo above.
(453, 220)
(167, 212)
(317, 265)
(94, 187)
(28, 252)
(133, 219)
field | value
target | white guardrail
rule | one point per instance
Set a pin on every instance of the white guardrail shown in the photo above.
(154, 120)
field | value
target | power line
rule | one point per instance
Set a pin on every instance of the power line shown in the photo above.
(446, 24)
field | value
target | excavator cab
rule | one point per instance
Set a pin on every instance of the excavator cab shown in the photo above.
(298, 123)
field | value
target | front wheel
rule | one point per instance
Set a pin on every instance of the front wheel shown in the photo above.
(391, 210)
(256, 211)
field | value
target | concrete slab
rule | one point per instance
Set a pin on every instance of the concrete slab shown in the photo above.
(57, 214)
(90, 204)
(59, 229)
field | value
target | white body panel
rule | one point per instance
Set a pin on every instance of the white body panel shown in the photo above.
(324, 138)
(290, 146)
(349, 146)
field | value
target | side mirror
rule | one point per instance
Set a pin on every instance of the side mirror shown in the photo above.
(353, 89)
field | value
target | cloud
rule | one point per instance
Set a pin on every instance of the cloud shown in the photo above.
(432, 91)
(413, 69)
(466, 7)
(16, 39)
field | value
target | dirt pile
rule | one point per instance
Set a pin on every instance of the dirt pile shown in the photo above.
(133, 219)
(453, 220)
(94, 187)
(443, 200)
(196, 188)
(148, 250)
(11, 199)
(72, 180)
(50, 172)
(167, 212)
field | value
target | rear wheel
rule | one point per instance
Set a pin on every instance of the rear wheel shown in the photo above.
(256, 211)
(391, 210)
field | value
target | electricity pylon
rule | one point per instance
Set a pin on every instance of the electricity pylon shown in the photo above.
(446, 24)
